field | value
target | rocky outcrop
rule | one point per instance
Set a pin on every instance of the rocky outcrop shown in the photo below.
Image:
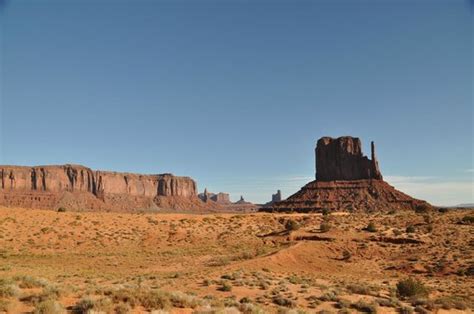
(346, 180)
(276, 197)
(342, 159)
(78, 186)
(220, 198)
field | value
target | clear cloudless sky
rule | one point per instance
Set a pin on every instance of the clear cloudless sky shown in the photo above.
(236, 93)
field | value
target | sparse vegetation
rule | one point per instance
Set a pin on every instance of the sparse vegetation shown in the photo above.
(371, 227)
(122, 263)
(325, 227)
(292, 225)
(411, 287)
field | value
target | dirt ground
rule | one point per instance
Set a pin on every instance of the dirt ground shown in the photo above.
(89, 262)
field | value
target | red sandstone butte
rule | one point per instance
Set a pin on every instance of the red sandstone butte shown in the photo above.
(346, 180)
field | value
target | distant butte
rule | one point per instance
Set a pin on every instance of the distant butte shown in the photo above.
(346, 180)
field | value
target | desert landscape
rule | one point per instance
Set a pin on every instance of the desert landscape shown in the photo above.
(235, 263)
(346, 242)
(236, 156)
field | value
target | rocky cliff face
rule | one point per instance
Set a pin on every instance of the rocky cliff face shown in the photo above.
(47, 185)
(342, 159)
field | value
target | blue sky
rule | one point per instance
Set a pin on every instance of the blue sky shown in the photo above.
(236, 93)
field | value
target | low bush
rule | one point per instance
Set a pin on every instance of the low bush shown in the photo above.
(365, 307)
(371, 227)
(411, 287)
(325, 227)
(292, 225)
(226, 286)
(49, 307)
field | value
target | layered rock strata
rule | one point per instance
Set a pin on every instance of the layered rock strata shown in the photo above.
(79, 187)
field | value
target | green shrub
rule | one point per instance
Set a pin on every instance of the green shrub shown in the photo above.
(410, 229)
(411, 287)
(61, 210)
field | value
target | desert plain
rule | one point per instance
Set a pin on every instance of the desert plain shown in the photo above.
(148, 262)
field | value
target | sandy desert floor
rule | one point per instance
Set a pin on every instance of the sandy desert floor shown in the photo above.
(89, 262)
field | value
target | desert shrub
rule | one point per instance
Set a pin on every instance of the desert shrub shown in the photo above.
(49, 307)
(371, 227)
(452, 302)
(362, 289)
(225, 286)
(346, 255)
(411, 287)
(249, 308)
(183, 300)
(330, 296)
(410, 229)
(291, 225)
(61, 210)
(84, 305)
(124, 296)
(364, 306)
(29, 282)
(326, 212)
(392, 302)
(422, 310)
(155, 299)
(468, 220)
(245, 300)
(422, 208)
(343, 304)
(295, 280)
(282, 301)
(122, 308)
(8, 289)
(4, 305)
(443, 210)
(405, 310)
(325, 227)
